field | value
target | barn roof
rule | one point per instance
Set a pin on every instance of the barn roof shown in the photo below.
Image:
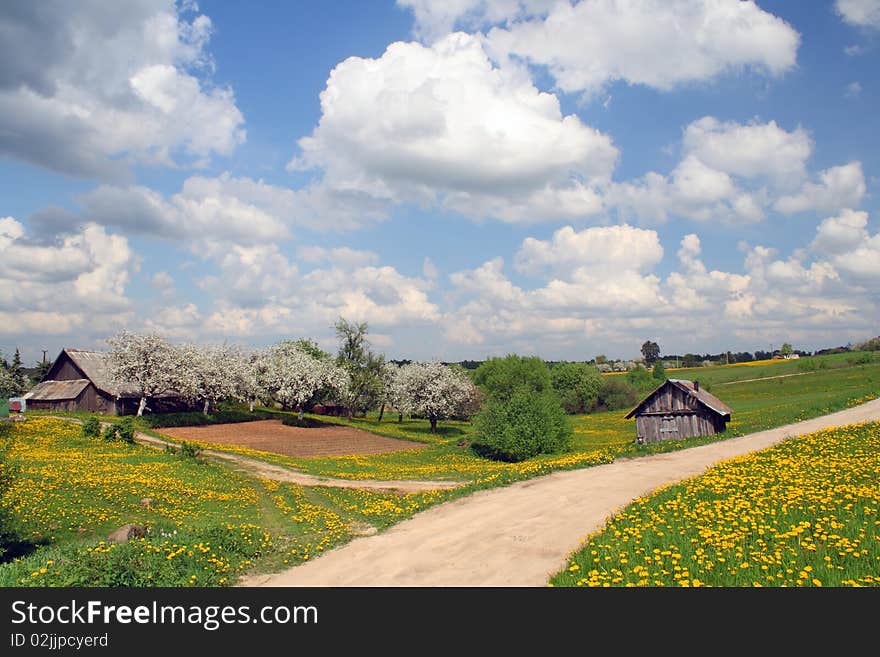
(57, 390)
(96, 366)
(704, 397)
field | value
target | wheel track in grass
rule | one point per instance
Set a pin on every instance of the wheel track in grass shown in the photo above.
(264, 470)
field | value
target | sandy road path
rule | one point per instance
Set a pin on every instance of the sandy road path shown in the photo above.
(521, 534)
(258, 468)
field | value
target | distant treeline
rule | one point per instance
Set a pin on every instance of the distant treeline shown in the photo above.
(696, 360)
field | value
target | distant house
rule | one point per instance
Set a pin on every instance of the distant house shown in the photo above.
(80, 380)
(678, 409)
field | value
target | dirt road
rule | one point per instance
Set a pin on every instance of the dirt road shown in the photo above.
(521, 534)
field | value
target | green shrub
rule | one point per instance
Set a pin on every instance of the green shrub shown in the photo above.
(860, 358)
(521, 427)
(501, 378)
(189, 450)
(91, 428)
(577, 385)
(110, 433)
(305, 423)
(659, 372)
(641, 379)
(125, 430)
(197, 418)
(616, 394)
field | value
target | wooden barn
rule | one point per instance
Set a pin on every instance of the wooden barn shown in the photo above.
(678, 409)
(80, 380)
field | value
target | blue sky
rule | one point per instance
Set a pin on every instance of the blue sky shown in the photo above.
(471, 179)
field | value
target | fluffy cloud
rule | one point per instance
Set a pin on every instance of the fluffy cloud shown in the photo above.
(605, 250)
(258, 290)
(437, 18)
(220, 208)
(734, 173)
(658, 44)
(441, 124)
(344, 256)
(693, 190)
(838, 187)
(750, 151)
(581, 297)
(85, 83)
(242, 210)
(77, 282)
(861, 13)
(850, 247)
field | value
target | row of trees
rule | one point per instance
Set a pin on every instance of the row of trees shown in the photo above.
(291, 374)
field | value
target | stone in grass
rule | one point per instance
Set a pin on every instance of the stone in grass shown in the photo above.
(126, 533)
(146, 502)
(358, 528)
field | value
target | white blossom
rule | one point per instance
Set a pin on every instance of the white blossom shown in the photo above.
(209, 374)
(291, 376)
(431, 389)
(146, 361)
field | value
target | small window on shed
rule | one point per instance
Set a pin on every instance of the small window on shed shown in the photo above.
(668, 425)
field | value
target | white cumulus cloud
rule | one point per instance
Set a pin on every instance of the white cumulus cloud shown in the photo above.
(660, 44)
(83, 84)
(442, 124)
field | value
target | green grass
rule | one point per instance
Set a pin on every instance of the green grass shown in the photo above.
(206, 523)
(802, 513)
(4, 408)
(70, 492)
(757, 405)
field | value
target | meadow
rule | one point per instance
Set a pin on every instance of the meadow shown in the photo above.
(208, 524)
(802, 513)
(834, 384)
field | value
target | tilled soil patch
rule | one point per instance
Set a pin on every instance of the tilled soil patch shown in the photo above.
(273, 436)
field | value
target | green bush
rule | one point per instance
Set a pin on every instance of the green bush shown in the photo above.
(860, 358)
(501, 378)
(188, 450)
(659, 372)
(521, 427)
(125, 430)
(616, 394)
(91, 428)
(577, 385)
(305, 423)
(110, 433)
(197, 418)
(641, 379)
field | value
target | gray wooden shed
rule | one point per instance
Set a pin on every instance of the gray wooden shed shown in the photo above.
(678, 409)
(80, 380)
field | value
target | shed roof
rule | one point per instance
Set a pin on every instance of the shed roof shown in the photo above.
(704, 397)
(57, 390)
(95, 366)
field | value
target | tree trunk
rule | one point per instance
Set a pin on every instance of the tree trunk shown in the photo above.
(251, 405)
(381, 412)
(433, 419)
(141, 406)
(301, 413)
(400, 417)
(206, 407)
